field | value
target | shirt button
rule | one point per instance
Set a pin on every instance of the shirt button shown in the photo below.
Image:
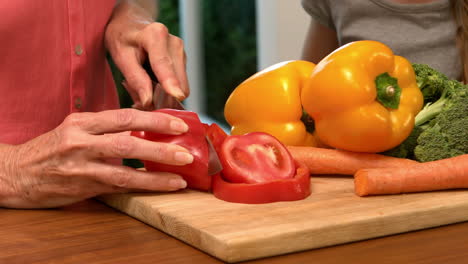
(78, 50)
(78, 102)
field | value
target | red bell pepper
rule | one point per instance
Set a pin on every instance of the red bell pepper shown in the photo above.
(291, 189)
(195, 173)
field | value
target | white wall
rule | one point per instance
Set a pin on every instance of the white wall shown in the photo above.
(281, 30)
(192, 34)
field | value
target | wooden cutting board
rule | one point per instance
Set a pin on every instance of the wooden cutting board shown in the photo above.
(331, 215)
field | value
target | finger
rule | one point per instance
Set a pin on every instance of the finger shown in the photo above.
(128, 178)
(155, 42)
(177, 52)
(120, 120)
(124, 146)
(135, 97)
(138, 83)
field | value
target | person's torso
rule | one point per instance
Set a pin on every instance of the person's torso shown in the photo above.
(52, 63)
(422, 33)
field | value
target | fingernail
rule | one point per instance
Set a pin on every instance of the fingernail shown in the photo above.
(183, 157)
(178, 126)
(177, 93)
(146, 99)
(177, 183)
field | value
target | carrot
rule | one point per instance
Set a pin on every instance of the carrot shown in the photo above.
(450, 173)
(333, 161)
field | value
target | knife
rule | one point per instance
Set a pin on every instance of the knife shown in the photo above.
(161, 99)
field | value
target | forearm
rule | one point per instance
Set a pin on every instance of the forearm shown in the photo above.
(319, 42)
(7, 165)
(7, 161)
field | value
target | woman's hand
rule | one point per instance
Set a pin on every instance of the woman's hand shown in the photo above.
(132, 37)
(70, 163)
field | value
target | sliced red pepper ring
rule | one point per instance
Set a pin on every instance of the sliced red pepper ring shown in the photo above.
(292, 189)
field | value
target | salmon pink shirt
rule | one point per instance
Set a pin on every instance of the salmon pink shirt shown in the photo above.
(52, 63)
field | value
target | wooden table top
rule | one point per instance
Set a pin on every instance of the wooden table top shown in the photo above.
(91, 232)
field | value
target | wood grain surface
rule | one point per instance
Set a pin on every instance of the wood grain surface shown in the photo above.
(90, 232)
(331, 215)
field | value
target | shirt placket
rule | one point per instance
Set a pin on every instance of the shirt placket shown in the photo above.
(78, 55)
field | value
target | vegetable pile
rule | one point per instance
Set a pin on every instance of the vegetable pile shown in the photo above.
(397, 127)
(363, 100)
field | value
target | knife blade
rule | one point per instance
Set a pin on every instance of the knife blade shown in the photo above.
(161, 99)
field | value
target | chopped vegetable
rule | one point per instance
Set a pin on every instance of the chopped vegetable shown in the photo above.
(450, 173)
(362, 98)
(254, 158)
(216, 135)
(333, 161)
(295, 188)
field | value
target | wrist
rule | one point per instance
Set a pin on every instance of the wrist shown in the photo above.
(8, 164)
(142, 10)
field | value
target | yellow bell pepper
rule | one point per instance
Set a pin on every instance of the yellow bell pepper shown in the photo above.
(362, 98)
(269, 101)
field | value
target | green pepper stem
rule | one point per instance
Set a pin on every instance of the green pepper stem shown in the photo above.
(388, 91)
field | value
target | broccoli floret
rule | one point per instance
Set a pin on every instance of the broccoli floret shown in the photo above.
(430, 82)
(441, 127)
(406, 148)
(446, 135)
(436, 144)
(450, 92)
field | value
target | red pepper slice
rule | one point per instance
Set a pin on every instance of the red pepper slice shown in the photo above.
(292, 189)
(254, 158)
(195, 173)
(216, 135)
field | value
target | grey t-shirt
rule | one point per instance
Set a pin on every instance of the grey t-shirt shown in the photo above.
(422, 33)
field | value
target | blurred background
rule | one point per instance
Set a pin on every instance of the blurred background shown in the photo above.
(227, 41)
